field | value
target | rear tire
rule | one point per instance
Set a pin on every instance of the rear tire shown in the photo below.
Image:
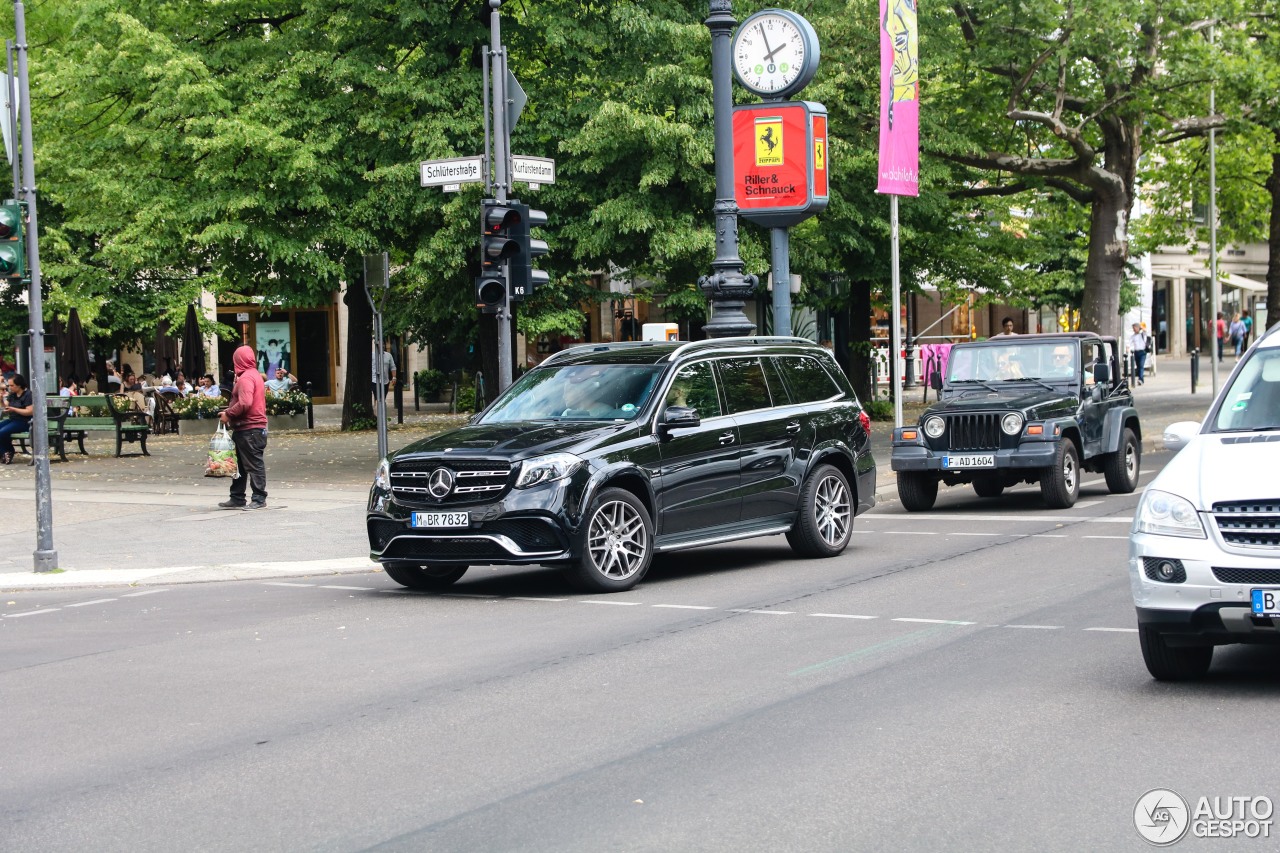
(917, 491)
(1123, 465)
(615, 544)
(988, 486)
(1060, 484)
(1173, 663)
(825, 522)
(430, 578)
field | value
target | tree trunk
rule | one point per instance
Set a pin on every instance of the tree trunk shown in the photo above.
(357, 400)
(860, 339)
(1108, 254)
(1273, 247)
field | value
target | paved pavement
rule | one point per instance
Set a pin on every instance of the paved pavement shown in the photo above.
(153, 520)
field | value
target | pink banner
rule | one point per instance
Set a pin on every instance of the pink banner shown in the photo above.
(899, 99)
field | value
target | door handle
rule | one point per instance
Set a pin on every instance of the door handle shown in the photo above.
(726, 438)
(793, 427)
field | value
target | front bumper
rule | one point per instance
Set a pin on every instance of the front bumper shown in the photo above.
(917, 457)
(1209, 604)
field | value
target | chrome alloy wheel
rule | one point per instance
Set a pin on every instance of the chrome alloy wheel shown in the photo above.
(831, 509)
(1069, 472)
(1131, 463)
(617, 540)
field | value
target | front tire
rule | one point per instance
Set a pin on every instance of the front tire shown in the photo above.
(825, 522)
(615, 543)
(1060, 484)
(1173, 663)
(917, 491)
(1123, 465)
(429, 578)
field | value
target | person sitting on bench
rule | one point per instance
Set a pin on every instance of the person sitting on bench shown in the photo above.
(18, 409)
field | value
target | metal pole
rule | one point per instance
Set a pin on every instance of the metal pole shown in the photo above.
(895, 332)
(488, 139)
(1215, 289)
(381, 384)
(11, 116)
(726, 288)
(501, 159)
(780, 244)
(46, 558)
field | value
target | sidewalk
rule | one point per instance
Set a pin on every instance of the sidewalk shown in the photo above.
(148, 520)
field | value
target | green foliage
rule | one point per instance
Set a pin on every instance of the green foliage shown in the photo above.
(879, 410)
(466, 400)
(429, 382)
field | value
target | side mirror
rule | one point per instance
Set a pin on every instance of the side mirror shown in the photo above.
(1102, 373)
(935, 380)
(1178, 435)
(678, 417)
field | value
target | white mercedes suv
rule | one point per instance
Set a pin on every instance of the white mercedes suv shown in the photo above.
(1204, 551)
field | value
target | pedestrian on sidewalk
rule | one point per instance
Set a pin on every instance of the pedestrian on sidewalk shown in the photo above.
(1248, 327)
(1237, 332)
(383, 361)
(247, 417)
(1221, 325)
(1138, 347)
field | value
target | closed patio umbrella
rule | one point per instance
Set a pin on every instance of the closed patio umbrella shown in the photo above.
(192, 347)
(166, 351)
(75, 349)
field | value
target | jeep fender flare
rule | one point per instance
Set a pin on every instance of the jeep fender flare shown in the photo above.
(1113, 425)
(1067, 430)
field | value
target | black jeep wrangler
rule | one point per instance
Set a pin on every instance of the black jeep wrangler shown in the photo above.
(1023, 409)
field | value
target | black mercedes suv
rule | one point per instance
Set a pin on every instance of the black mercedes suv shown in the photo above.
(605, 455)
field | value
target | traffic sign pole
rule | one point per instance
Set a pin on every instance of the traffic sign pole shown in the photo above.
(501, 161)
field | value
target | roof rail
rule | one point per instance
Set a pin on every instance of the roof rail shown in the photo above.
(598, 348)
(754, 339)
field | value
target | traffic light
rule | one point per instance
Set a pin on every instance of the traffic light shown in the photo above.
(498, 223)
(491, 292)
(13, 248)
(524, 278)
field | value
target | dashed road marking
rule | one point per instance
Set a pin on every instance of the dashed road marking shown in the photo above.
(844, 616)
(1115, 630)
(32, 612)
(932, 621)
(1105, 537)
(87, 603)
(685, 606)
(143, 592)
(615, 603)
(335, 586)
(533, 598)
(769, 612)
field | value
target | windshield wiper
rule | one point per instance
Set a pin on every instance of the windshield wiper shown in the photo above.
(1044, 385)
(981, 382)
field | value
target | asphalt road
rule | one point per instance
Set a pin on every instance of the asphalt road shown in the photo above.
(963, 679)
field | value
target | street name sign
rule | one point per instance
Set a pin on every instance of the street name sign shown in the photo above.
(533, 170)
(455, 170)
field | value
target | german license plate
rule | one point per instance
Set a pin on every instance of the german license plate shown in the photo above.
(1266, 602)
(969, 460)
(441, 519)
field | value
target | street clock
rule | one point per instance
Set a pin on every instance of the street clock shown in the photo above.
(775, 53)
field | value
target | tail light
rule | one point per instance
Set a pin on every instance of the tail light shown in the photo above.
(865, 420)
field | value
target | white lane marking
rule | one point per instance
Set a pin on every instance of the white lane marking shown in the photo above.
(685, 606)
(1036, 627)
(965, 533)
(1048, 536)
(286, 583)
(533, 598)
(615, 603)
(965, 519)
(1084, 483)
(466, 595)
(87, 603)
(843, 616)
(32, 612)
(334, 586)
(932, 621)
(770, 612)
(144, 592)
(1083, 504)
(1104, 537)
(910, 532)
(1115, 630)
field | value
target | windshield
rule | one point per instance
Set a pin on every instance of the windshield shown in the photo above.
(1252, 400)
(577, 392)
(1041, 360)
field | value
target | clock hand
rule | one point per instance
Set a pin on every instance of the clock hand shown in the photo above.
(769, 56)
(760, 27)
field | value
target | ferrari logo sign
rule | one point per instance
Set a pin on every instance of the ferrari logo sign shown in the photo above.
(769, 141)
(780, 162)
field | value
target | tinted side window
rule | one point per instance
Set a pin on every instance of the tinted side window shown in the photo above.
(744, 385)
(808, 380)
(777, 388)
(695, 386)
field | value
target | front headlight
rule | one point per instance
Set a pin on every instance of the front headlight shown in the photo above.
(1011, 423)
(1167, 515)
(544, 469)
(382, 478)
(934, 426)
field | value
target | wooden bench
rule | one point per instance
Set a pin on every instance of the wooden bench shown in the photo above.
(128, 424)
(57, 409)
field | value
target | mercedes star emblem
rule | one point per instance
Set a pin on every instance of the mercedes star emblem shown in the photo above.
(441, 483)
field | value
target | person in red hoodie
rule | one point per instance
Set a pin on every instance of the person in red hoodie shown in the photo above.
(247, 417)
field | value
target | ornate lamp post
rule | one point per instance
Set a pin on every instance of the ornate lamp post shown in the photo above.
(726, 288)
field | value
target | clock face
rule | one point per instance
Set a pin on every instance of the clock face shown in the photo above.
(770, 52)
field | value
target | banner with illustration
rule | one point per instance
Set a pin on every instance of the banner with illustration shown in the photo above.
(899, 99)
(273, 347)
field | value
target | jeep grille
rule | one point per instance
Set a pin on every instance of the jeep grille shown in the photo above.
(973, 432)
(475, 481)
(1249, 524)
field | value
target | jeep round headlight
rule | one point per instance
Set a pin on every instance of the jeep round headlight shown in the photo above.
(934, 427)
(1011, 423)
